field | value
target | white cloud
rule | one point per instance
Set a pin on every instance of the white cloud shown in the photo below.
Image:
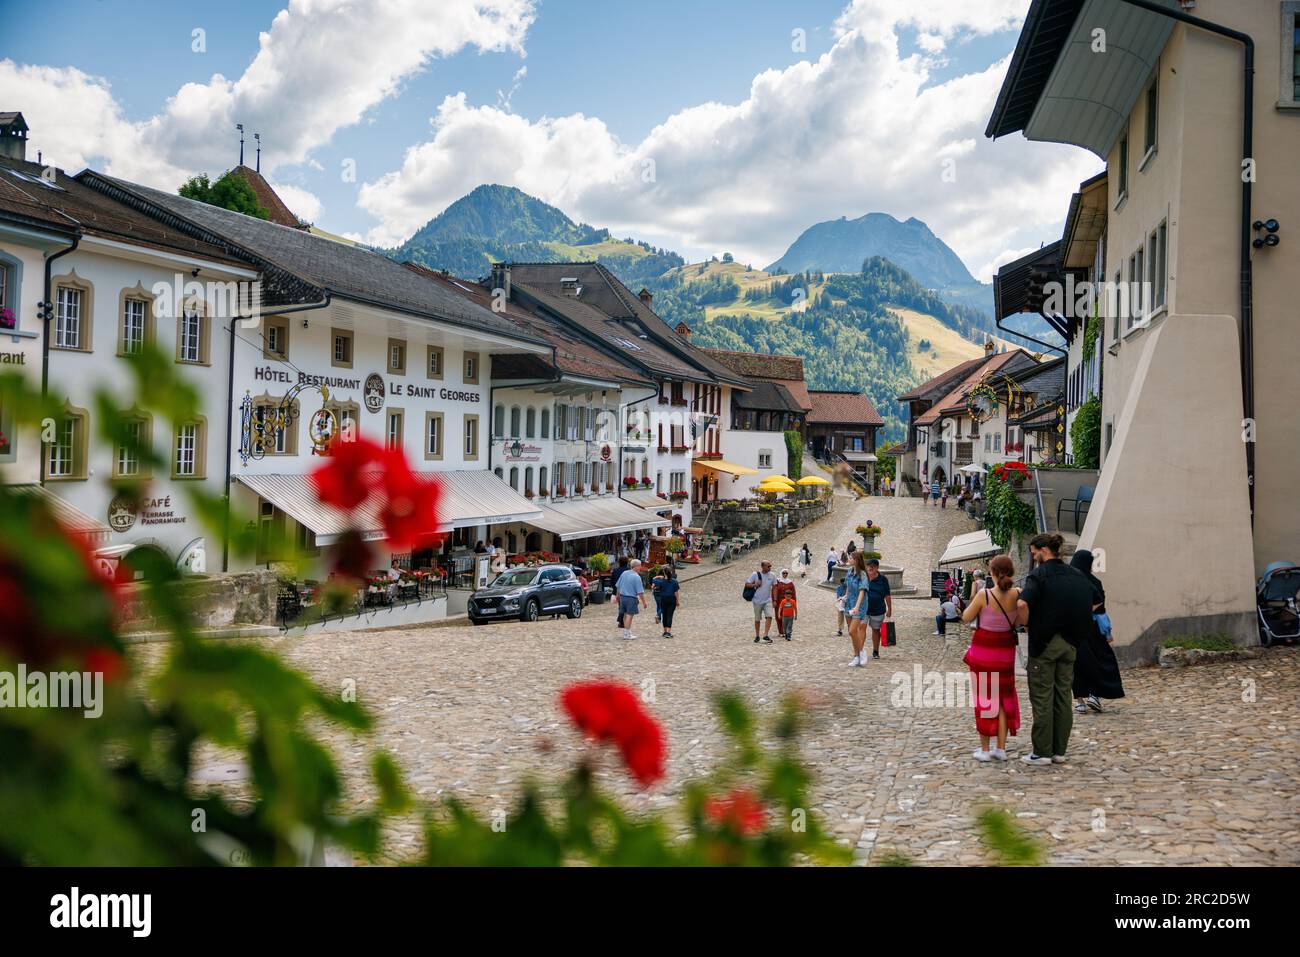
(304, 204)
(319, 67)
(861, 129)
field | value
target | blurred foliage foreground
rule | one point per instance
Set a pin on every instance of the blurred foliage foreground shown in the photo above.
(120, 788)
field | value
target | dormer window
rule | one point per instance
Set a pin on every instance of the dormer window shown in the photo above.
(569, 287)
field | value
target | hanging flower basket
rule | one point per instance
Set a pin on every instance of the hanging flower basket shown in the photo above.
(7, 319)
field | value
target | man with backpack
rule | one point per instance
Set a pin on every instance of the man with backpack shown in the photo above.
(758, 589)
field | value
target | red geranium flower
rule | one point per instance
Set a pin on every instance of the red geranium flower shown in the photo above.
(607, 711)
(348, 476)
(740, 811)
(410, 512)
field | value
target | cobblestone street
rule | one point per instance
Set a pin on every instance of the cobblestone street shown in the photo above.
(1183, 771)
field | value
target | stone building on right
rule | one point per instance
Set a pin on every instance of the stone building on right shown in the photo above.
(1194, 107)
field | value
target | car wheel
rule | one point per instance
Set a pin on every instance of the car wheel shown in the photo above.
(575, 607)
(531, 610)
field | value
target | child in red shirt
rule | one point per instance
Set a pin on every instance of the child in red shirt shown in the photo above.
(785, 603)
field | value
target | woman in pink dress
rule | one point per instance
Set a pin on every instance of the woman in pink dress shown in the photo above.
(991, 658)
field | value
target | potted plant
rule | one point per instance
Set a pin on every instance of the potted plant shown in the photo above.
(598, 565)
(528, 493)
(1014, 472)
(630, 482)
(542, 493)
(645, 482)
(868, 532)
(7, 319)
(679, 495)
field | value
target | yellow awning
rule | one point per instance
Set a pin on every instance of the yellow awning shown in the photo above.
(731, 468)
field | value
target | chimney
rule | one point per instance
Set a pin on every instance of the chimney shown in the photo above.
(501, 278)
(13, 136)
(989, 347)
(645, 295)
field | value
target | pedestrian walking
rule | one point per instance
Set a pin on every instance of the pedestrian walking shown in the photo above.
(670, 599)
(657, 579)
(785, 604)
(991, 658)
(761, 582)
(877, 604)
(943, 497)
(1096, 672)
(805, 560)
(1058, 604)
(925, 493)
(854, 583)
(934, 491)
(615, 578)
(832, 559)
(631, 596)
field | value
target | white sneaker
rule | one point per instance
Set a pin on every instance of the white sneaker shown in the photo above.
(628, 636)
(997, 754)
(862, 660)
(856, 662)
(979, 754)
(1059, 759)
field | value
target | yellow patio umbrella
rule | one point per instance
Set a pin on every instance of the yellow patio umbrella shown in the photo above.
(772, 486)
(812, 480)
(779, 478)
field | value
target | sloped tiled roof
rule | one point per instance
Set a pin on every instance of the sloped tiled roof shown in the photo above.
(73, 203)
(941, 383)
(787, 370)
(759, 365)
(626, 338)
(955, 400)
(347, 272)
(768, 396)
(603, 292)
(850, 408)
(573, 354)
(268, 198)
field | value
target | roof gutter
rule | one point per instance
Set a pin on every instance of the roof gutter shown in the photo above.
(47, 314)
(1246, 331)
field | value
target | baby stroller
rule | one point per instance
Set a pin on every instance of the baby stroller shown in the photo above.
(1275, 599)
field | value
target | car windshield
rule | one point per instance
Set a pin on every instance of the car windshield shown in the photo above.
(515, 579)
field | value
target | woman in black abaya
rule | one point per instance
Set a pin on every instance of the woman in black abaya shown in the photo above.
(1096, 672)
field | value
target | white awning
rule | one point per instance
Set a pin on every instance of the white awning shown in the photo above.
(68, 515)
(587, 518)
(479, 498)
(644, 498)
(468, 499)
(964, 548)
(854, 456)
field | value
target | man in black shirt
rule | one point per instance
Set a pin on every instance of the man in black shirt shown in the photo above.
(1060, 601)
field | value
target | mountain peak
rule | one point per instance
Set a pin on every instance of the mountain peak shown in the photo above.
(842, 245)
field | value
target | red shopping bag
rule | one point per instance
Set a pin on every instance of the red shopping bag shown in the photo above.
(888, 634)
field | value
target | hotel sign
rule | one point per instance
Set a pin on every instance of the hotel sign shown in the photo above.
(516, 451)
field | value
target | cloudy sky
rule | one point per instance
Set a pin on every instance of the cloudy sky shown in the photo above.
(700, 125)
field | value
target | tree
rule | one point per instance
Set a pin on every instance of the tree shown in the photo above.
(1085, 434)
(727, 258)
(231, 192)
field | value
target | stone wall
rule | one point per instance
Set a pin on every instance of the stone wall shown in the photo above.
(214, 601)
(769, 526)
